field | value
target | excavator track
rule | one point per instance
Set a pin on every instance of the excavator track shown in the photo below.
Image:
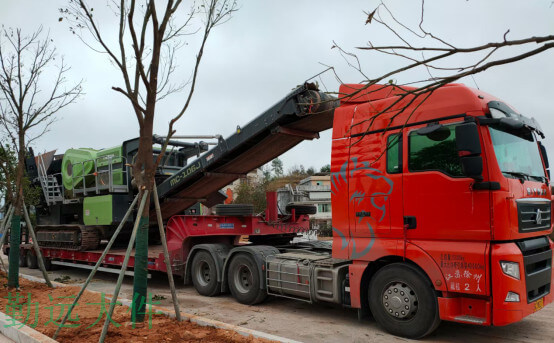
(69, 237)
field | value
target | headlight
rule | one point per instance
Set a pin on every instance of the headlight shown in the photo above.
(512, 297)
(510, 268)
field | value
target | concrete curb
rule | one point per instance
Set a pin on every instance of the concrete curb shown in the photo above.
(18, 332)
(202, 321)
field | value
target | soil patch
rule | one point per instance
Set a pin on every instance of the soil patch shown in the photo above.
(42, 308)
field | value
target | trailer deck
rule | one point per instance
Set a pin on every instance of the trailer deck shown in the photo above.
(112, 262)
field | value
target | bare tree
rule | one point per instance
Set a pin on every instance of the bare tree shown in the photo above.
(148, 38)
(29, 100)
(439, 57)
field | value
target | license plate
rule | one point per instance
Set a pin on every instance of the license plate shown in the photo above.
(539, 304)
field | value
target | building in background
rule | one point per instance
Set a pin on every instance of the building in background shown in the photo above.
(313, 190)
(254, 177)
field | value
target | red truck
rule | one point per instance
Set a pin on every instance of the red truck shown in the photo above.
(452, 222)
(441, 211)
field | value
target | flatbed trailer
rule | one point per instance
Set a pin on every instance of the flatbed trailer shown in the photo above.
(185, 233)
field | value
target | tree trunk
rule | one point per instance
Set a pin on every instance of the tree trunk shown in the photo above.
(143, 172)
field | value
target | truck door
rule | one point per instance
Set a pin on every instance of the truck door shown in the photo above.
(375, 190)
(439, 201)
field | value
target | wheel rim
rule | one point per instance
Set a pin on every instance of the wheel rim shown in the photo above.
(203, 273)
(243, 279)
(399, 300)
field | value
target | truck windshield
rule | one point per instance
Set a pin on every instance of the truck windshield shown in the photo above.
(517, 157)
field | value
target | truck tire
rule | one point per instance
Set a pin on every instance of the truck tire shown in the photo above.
(32, 261)
(47, 263)
(204, 274)
(301, 209)
(234, 210)
(22, 259)
(403, 301)
(273, 240)
(244, 280)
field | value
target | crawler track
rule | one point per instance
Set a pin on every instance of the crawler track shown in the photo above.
(71, 237)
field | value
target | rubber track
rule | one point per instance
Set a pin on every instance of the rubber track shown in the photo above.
(90, 237)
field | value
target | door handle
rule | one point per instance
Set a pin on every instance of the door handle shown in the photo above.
(410, 222)
(363, 214)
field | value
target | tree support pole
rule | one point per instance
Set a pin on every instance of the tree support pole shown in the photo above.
(3, 231)
(4, 227)
(40, 260)
(166, 255)
(15, 242)
(6, 217)
(5, 224)
(3, 265)
(98, 263)
(138, 220)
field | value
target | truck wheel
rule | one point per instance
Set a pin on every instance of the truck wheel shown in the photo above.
(301, 209)
(244, 280)
(204, 274)
(403, 301)
(22, 259)
(32, 261)
(244, 210)
(47, 263)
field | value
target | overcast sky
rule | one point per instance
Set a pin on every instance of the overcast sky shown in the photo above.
(269, 47)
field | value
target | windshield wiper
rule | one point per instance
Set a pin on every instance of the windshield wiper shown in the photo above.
(519, 175)
(538, 177)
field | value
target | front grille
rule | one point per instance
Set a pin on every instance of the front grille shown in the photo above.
(537, 260)
(533, 214)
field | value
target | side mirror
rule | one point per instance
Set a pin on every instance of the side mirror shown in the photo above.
(469, 150)
(467, 139)
(435, 132)
(472, 166)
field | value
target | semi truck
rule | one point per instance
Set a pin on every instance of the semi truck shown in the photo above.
(441, 209)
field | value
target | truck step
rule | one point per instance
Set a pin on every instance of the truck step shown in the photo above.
(326, 293)
(470, 319)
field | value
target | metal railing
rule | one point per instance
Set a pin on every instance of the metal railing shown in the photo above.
(100, 176)
(52, 191)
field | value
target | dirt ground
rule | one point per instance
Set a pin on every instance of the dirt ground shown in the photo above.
(310, 323)
(41, 307)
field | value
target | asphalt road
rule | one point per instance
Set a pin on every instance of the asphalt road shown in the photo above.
(310, 322)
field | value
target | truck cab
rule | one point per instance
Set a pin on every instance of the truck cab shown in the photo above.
(450, 187)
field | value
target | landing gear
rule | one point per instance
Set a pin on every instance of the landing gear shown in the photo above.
(244, 280)
(403, 301)
(204, 274)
